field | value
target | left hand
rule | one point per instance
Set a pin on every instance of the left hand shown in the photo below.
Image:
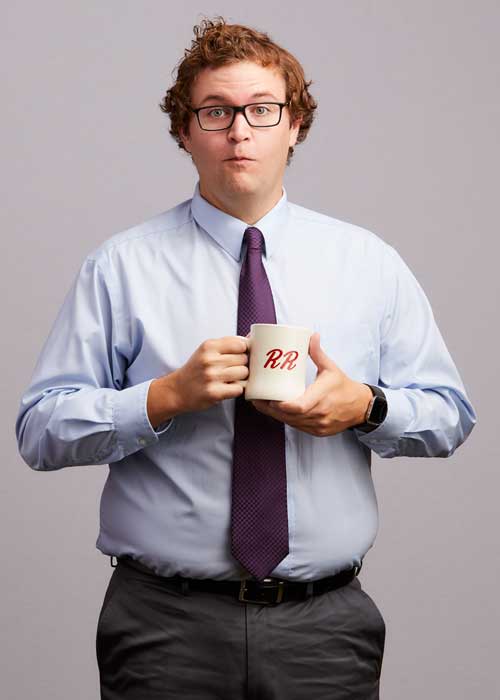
(331, 404)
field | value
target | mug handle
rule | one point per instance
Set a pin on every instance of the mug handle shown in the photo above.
(244, 382)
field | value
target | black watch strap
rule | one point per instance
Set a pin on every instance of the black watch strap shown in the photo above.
(377, 411)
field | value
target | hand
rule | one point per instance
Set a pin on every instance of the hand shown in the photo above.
(331, 404)
(211, 373)
(209, 376)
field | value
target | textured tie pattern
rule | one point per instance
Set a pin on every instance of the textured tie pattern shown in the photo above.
(259, 522)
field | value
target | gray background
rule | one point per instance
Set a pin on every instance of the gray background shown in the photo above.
(405, 144)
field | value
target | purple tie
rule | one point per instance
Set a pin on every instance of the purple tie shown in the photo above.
(259, 522)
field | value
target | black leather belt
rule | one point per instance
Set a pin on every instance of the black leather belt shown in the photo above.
(269, 591)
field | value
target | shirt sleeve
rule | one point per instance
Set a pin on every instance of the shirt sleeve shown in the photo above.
(75, 410)
(429, 414)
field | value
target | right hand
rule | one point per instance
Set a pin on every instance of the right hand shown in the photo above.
(211, 374)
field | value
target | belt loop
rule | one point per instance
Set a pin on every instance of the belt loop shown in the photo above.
(309, 589)
(185, 586)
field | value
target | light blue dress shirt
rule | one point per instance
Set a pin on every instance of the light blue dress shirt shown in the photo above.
(142, 303)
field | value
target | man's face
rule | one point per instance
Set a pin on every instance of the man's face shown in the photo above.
(221, 178)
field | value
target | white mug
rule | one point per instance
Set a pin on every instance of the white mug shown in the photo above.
(277, 362)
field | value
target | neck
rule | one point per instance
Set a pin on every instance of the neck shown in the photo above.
(247, 208)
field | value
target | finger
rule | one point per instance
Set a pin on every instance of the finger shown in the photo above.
(268, 409)
(232, 374)
(231, 344)
(232, 360)
(260, 404)
(318, 355)
(307, 424)
(304, 404)
(263, 407)
(304, 423)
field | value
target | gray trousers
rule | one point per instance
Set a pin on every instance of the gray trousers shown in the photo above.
(155, 642)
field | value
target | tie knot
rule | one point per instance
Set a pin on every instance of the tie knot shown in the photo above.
(254, 238)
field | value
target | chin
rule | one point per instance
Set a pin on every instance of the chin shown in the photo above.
(242, 184)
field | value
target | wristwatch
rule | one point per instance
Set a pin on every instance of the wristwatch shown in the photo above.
(376, 412)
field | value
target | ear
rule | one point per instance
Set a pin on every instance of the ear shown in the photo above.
(186, 140)
(294, 132)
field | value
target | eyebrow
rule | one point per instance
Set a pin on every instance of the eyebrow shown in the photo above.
(226, 99)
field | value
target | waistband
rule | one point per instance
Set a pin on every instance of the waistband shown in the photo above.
(268, 591)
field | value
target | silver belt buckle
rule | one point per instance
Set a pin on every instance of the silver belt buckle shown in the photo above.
(278, 588)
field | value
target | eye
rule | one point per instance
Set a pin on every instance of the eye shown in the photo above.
(261, 109)
(217, 112)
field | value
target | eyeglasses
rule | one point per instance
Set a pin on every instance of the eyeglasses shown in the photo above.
(258, 114)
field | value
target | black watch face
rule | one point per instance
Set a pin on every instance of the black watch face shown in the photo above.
(379, 411)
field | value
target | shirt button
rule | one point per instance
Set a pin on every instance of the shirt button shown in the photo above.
(142, 441)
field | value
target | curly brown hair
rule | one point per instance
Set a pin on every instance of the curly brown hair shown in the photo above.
(218, 43)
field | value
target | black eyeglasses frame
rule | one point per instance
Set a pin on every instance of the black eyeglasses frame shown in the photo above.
(240, 108)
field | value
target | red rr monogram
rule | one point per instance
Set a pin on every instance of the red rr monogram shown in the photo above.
(274, 356)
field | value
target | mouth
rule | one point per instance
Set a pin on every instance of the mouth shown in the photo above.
(240, 163)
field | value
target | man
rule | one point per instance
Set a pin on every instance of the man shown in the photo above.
(141, 371)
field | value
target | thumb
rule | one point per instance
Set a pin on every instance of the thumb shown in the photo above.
(318, 355)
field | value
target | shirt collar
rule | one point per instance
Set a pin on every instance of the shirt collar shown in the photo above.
(228, 231)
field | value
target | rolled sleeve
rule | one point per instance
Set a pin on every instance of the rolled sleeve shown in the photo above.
(75, 411)
(398, 418)
(131, 422)
(428, 412)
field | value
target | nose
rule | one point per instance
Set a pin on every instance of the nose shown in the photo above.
(240, 128)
